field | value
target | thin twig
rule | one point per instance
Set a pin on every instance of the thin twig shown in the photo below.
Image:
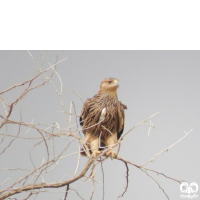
(155, 182)
(127, 180)
(103, 180)
(167, 149)
(78, 160)
(5, 181)
(77, 193)
(93, 184)
(139, 124)
(11, 141)
(78, 95)
(66, 193)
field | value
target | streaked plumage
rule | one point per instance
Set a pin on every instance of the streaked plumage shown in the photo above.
(107, 112)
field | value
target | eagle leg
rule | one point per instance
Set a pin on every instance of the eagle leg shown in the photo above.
(110, 142)
(94, 145)
(111, 153)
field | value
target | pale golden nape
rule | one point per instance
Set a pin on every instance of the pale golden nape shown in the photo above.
(102, 119)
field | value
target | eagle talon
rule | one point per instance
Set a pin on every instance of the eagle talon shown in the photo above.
(96, 153)
(113, 154)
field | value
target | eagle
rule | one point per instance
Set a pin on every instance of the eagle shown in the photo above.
(102, 119)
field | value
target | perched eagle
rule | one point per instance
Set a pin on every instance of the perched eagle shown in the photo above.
(102, 119)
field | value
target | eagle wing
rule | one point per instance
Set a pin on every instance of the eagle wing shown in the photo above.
(121, 118)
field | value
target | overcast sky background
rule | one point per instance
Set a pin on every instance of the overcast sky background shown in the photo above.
(150, 81)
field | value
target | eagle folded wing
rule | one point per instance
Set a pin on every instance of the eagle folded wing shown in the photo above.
(121, 118)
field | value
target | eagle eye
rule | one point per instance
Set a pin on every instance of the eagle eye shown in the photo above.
(109, 81)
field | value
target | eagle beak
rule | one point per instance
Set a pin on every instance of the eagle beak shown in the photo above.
(116, 83)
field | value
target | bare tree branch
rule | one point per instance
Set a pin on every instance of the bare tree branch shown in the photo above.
(34, 180)
(167, 149)
(49, 185)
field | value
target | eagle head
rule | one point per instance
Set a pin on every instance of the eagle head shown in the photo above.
(109, 84)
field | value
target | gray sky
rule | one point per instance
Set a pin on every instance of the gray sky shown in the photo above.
(150, 81)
